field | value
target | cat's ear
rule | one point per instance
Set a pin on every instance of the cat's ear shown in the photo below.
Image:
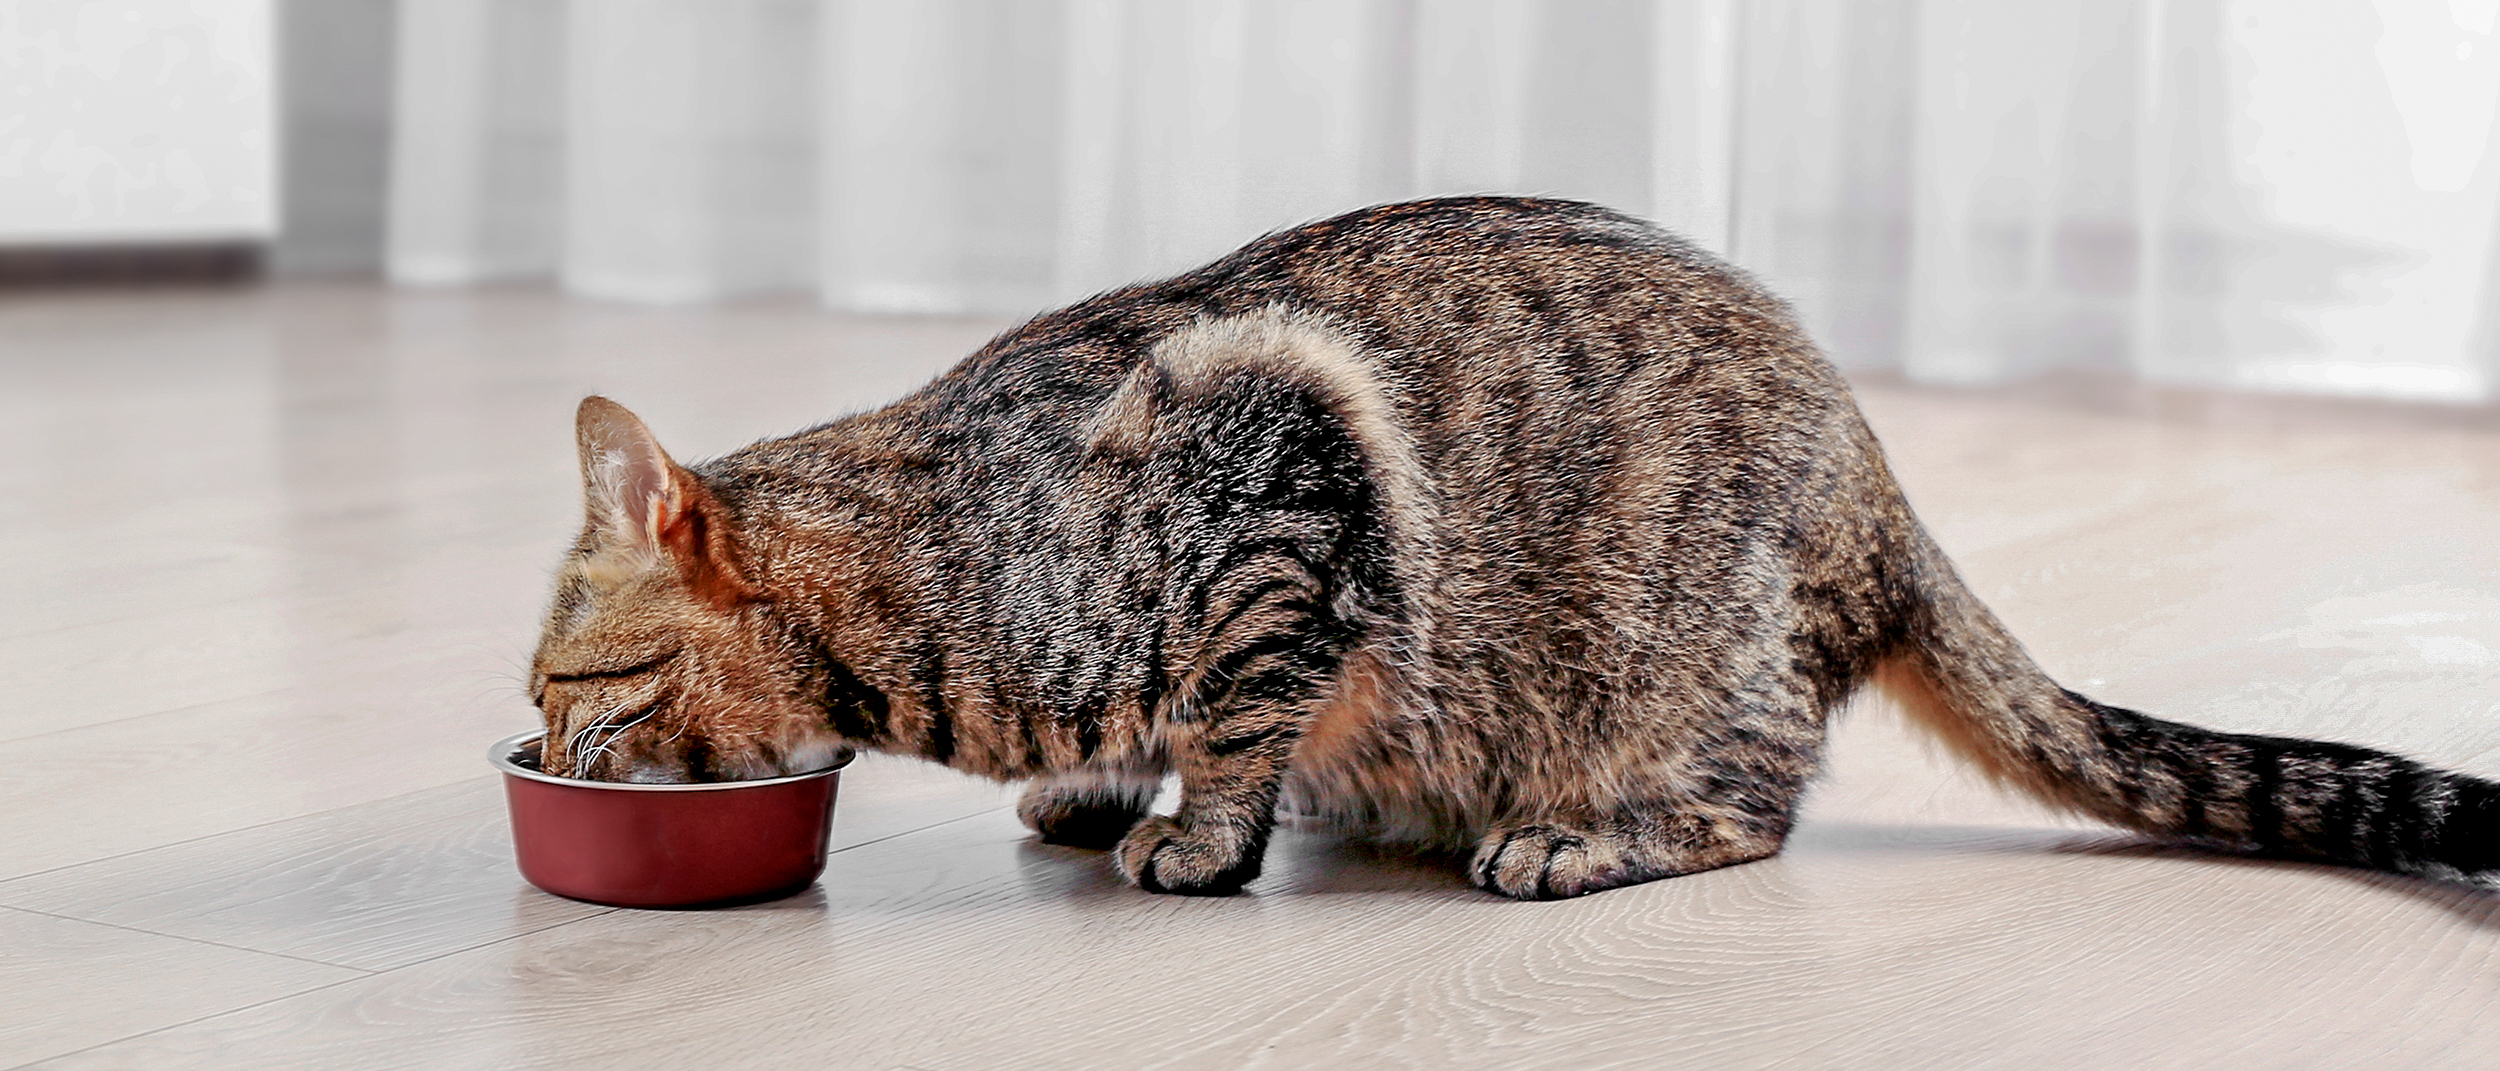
(647, 509)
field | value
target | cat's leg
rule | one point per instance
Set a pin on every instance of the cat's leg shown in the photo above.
(1232, 762)
(1719, 791)
(1212, 845)
(1281, 532)
(1086, 809)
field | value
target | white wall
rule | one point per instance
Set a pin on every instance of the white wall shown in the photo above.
(136, 120)
(336, 58)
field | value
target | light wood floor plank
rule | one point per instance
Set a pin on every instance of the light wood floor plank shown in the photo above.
(967, 946)
(104, 790)
(71, 985)
(373, 886)
(398, 880)
(89, 675)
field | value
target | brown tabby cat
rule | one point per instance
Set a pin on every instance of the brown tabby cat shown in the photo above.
(1490, 522)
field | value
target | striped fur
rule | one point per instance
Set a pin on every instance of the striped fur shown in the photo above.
(1489, 523)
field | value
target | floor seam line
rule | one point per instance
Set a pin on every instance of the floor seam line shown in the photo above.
(366, 976)
(194, 940)
(195, 1019)
(919, 829)
(15, 878)
(192, 707)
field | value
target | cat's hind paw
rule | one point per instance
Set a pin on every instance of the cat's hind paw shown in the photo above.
(1553, 861)
(1162, 856)
(1548, 862)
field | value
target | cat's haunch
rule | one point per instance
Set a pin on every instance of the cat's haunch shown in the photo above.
(1502, 524)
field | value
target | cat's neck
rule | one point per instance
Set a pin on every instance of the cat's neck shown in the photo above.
(844, 530)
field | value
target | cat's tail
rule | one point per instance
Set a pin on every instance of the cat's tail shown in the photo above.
(1964, 678)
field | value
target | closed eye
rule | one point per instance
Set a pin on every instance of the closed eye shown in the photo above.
(611, 674)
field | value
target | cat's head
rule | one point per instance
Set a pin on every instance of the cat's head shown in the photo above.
(661, 660)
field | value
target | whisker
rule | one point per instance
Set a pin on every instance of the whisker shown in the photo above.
(572, 741)
(609, 732)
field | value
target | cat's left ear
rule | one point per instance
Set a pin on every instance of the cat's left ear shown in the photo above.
(647, 508)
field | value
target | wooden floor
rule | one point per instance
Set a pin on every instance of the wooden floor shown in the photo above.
(274, 559)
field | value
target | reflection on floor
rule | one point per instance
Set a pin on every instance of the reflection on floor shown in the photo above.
(276, 556)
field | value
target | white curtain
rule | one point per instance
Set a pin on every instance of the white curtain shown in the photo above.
(2269, 194)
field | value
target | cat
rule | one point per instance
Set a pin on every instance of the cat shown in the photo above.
(1510, 526)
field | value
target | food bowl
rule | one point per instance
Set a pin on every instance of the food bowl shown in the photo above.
(665, 845)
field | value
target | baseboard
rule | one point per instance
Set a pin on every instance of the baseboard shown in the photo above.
(134, 264)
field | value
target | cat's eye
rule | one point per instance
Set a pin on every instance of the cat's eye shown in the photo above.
(637, 668)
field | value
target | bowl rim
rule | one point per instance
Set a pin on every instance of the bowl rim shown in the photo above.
(500, 754)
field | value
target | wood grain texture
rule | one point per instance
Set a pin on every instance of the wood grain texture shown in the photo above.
(398, 880)
(74, 984)
(98, 791)
(373, 886)
(291, 538)
(1862, 947)
(316, 640)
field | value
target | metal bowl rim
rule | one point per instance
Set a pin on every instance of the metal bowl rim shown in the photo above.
(501, 756)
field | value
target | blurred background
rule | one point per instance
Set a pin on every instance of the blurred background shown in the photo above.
(2275, 195)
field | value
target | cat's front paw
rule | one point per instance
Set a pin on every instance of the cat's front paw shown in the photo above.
(1162, 856)
(1078, 818)
(1543, 862)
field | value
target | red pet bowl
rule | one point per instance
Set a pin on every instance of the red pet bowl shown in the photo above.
(665, 845)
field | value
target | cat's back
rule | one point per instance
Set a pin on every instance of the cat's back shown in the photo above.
(1566, 389)
(1484, 279)
(1485, 307)
(1459, 264)
(1546, 361)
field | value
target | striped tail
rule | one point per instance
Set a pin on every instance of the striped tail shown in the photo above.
(1965, 679)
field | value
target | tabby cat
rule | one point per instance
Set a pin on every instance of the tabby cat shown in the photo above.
(1488, 523)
